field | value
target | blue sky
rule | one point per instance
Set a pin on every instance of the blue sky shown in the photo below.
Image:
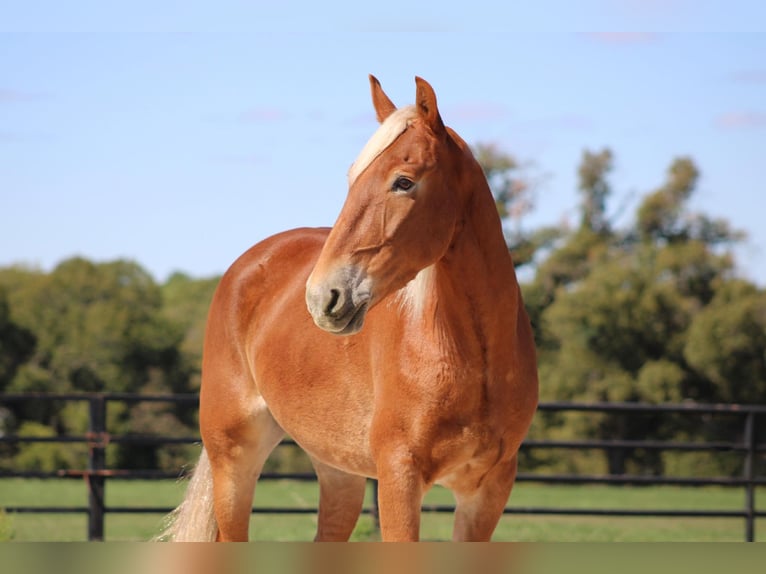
(178, 137)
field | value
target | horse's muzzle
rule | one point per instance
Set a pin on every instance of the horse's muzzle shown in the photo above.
(339, 304)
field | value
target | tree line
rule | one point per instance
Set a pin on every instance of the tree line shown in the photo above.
(651, 310)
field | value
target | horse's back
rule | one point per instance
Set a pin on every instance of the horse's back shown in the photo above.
(277, 265)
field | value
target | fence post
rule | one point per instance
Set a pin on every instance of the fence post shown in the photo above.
(375, 508)
(96, 463)
(749, 473)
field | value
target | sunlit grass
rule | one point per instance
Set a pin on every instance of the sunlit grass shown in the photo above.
(519, 527)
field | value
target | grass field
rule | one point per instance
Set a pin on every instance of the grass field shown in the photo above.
(129, 527)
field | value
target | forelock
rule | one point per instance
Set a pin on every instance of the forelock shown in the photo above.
(386, 134)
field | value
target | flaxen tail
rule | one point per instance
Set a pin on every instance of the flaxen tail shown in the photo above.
(194, 520)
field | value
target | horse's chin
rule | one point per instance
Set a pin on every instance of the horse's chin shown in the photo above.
(349, 325)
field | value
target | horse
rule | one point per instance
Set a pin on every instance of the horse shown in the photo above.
(394, 346)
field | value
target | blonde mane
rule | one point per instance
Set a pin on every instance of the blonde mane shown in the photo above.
(412, 297)
(386, 134)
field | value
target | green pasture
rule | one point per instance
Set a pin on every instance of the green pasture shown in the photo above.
(131, 527)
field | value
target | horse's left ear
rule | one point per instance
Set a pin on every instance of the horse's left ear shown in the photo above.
(426, 102)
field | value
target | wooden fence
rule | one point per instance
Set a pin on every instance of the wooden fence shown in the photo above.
(98, 437)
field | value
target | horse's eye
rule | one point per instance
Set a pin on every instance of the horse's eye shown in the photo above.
(403, 184)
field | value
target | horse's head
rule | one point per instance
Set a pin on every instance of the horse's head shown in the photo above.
(399, 216)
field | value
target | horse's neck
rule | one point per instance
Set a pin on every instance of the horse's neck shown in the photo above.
(474, 288)
(469, 305)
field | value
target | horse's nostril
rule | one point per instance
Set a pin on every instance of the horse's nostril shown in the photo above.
(334, 297)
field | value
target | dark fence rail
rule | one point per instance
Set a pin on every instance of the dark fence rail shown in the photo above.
(98, 437)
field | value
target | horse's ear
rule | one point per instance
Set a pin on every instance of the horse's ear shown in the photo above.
(384, 107)
(426, 102)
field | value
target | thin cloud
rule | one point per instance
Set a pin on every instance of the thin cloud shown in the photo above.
(11, 96)
(749, 77)
(9, 137)
(622, 38)
(741, 120)
(26, 137)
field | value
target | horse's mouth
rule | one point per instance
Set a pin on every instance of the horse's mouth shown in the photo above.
(348, 324)
(339, 302)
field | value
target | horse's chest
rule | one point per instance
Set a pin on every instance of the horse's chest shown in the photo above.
(461, 460)
(452, 425)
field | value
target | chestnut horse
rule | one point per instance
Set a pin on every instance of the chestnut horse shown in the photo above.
(394, 345)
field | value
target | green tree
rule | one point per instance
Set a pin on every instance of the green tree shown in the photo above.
(16, 343)
(46, 457)
(595, 189)
(98, 327)
(572, 253)
(185, 305)
(513, 189)
(587, 245)
(633, 314)
(726, 343)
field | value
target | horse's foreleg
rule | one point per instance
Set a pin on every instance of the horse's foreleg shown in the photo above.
(341, 496)
(400, 495)
(478, 512)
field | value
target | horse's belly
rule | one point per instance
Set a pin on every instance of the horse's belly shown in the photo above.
(349, 456)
